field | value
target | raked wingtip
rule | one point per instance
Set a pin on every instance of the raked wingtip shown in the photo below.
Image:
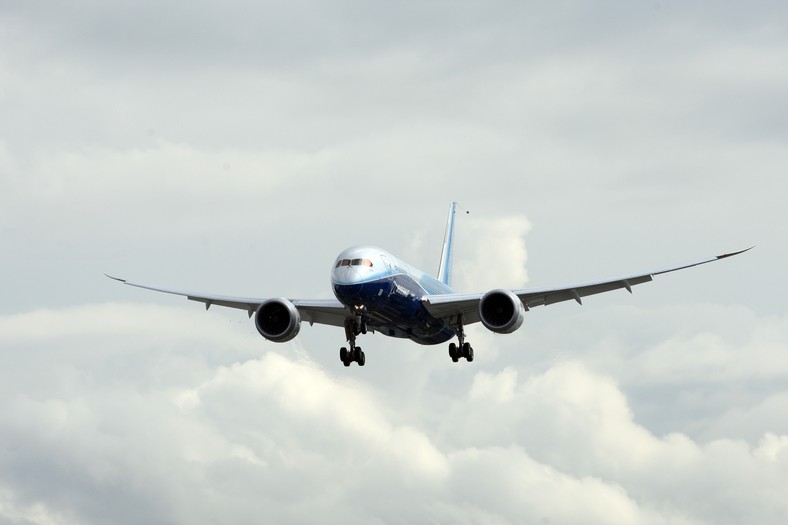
(731, 254)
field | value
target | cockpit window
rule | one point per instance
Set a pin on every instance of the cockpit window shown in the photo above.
(360, 262)
(354, 262)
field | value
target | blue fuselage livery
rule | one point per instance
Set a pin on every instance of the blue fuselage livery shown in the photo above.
(375, 291)
(391, 293)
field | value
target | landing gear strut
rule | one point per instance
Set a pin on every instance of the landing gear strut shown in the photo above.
(353, 327)
(464, 349)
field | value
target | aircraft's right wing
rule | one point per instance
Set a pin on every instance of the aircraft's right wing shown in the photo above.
(450, 306)
(320, 311)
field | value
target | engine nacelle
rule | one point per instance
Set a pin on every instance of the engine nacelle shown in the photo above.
(277, 320)
(501, 311)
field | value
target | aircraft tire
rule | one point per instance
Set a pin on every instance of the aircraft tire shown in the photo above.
(362, 358)
(453, 352)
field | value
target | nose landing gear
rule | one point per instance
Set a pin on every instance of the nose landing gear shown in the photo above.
(353, 328)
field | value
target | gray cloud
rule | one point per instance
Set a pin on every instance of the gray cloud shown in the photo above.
(237, 148)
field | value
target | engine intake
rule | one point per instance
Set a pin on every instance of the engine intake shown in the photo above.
(501, 311)
(277, 320)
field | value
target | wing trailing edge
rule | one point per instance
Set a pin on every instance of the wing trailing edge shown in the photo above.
(320, 311)
(448, 306)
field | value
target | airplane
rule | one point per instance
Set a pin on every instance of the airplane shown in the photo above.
(375, 291)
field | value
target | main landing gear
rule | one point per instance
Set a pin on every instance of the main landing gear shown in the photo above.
(464, 349)
(353, 327)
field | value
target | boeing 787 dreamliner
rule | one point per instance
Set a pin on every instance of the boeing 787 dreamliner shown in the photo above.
(377, 292)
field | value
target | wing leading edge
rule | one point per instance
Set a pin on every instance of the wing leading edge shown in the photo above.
(448, 306)
(320, 311)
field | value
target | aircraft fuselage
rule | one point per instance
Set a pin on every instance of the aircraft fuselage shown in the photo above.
(389, 292)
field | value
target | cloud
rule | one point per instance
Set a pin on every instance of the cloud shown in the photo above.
(238, 147)
(280, 435)
(580, 424)
(492, 254)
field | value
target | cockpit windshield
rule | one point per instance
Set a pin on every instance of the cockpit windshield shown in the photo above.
(354, 262)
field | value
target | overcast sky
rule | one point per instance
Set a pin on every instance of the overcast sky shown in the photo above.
(237, 147)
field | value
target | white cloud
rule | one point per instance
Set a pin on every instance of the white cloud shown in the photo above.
(285, 437)
(492, 254)
(695, 341)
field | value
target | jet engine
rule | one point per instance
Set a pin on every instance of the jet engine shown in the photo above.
(277, 320)
(501, 311)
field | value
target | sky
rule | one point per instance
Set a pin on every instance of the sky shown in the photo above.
(237, 147)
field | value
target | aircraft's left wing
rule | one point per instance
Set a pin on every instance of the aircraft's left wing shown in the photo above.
(450, 306)
(321, 311)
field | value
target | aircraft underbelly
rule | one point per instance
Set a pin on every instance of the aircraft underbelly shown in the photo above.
(393, 306)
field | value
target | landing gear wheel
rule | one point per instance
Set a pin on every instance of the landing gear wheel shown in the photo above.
(453, 352)
(344, 356)
(463, 349)
(353, 327)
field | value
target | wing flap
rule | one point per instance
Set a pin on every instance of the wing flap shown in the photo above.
(450, 306)
(323, 311)
(550, 296)
(320, 311)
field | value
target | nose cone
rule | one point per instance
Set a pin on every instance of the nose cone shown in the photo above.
(348, 284)
(347, 275)
(354, 274)
(350, 294)
(356, 265)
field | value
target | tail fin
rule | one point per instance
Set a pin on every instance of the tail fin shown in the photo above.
(444, 272)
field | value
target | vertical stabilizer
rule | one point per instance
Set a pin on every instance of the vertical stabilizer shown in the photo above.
(444, 272)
